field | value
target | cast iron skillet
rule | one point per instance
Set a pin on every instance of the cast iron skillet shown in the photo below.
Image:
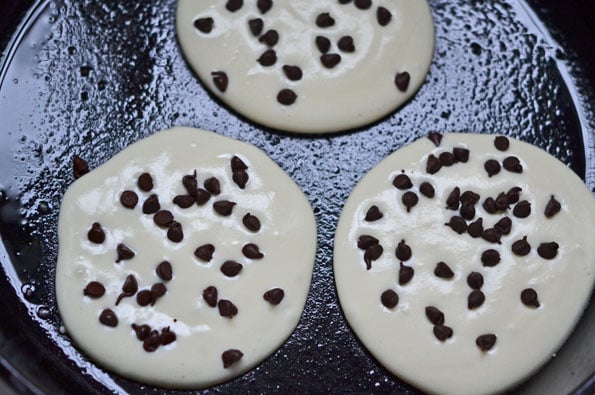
(91, 77)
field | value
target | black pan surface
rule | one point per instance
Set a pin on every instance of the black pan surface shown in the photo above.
(90, 77)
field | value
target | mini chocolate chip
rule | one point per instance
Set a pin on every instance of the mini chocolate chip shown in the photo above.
(202, 196)
(548, 250)
(402, 181)
(529, 298)
(433, 164)
(94, 290)
(227, 308)
(205, 252)
(486, 342)
(442, 270)
(251, 222)
(230, 357)
(389, 299)
(345, 44)
(403, 251)
(267, 58)
(405, 274)
(446, 159)
(383, 16)
(152, 342)
(475, 299)
(552, 208)
(372, 253)
(270, 38)
(492, 167)
(435, 316)
(256, 25)
(490, 257)
(365, 241)
(475, 280)
(501, 143)
(274, 296)
(167, 336)
(184, 201)
(231, 268)
(130, 285)
(224, 207)
(96, 234)
(402, 81)
(108, 318)
(512, 164)
(435, 138)
(513, 195)
(129, 199)
(286, 97)
(457, 224)
(330, 60)
(234, 5)
(522, 209)
(237, 164)
(204, 25)
(363, 4)
(452, 202)
(489, 205)
(163, 218)
(264, 5)
(504, 225)
(467, 211)
(409, 199)
(324, 20)
(240, 177)
(521, 247)
(492, 235)
(157, 291)
(461, 154)
(124, 253)
(373, 214)
(79, 167)
(212, 186)
(252, 251)
(144, 297)
(344, 1)
(220, 80)
(501, 202)
(293, 73)
(323, 44)
(442, 332)
(427, 189)
(164, 271)
(469, 197)
(145, 182)
(175, 232)
(142, 331)
(475, 229)
(151, 205)
(210, 295)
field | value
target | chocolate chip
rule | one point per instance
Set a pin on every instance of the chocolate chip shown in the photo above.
(512, 164)
(175, 232)
(372, 253)
(144, 297)
(442, 332)
(202, 196)
(163, 218)
(435, 316)
(157, 291)
(124, 253)
(252, 251)
(433, 164)
(457, 224)
(204, 25)
(293, 73)
(446, 159)
(402, 181)
(230, 357)
(486, 342)
(363, 4)
(409, 199)
(264, 5)
(129, 199)
(475, 280)
(427, 189)
(330, 60)
(501, 143)
(365, 241)
(270, 38)
(237, 164)
(475, 229)
(492, 235)
(227, 308)
(220, 80)
(167, 336)
(268, 58)
(529, 298)
(435, 138)
(240, 177)
(522, 209)
(256, 25)
(501, 202)
(403, 251)
(274, 296)
(345, 44)
(552, 208)
(389, 299)
(79, 167)
(210, 296)
(467, 211)
(108, 318)
(469, 197)
(504, 225)
(212, 186)
(234, 5)
(490, 257)
(96, 234)
(205, 252)
(324, 20)
(251, 222)
(129, 288)
(145, 182)
(492, 167)
(184, 201)
(452, 202)
(373, 214)
(461, 154)
(548, 250)
(231, 268)
(94, 290)
(142, 331)
(224, 207)
(402, 81)
(164, 271)
(323, 44)
(152, 342)
(442, 270)
(489, 205)
(286, 97)
(405, 274)
(521, 247)
(383, 16)
(190, 183)
(475, 299)
(151, 205)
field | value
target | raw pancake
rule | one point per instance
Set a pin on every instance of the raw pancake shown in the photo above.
(196, 335)
(409, 292)
(383, 49)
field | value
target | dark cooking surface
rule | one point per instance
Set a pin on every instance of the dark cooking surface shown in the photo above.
(91, 77)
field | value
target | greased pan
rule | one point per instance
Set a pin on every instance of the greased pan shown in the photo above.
(91, 77)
